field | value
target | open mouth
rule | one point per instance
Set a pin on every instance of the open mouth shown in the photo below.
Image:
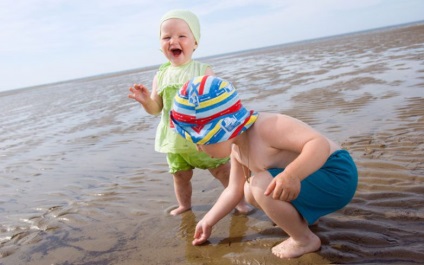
(176, 52)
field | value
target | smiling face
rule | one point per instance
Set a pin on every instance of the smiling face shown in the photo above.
(177, 41)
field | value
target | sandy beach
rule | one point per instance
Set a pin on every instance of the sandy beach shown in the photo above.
(81, 183)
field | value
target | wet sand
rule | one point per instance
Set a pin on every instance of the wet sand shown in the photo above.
(82, 184)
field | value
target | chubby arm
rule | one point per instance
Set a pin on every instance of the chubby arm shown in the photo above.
(151, 103)
(313, 149)
(226, 202)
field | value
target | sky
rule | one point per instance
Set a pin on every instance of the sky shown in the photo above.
(47, 41)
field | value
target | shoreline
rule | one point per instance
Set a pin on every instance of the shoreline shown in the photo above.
(220, 56)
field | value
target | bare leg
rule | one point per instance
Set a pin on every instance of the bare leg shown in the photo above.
(183, 191)
(249, 196)
(283, 214)
(222, 173)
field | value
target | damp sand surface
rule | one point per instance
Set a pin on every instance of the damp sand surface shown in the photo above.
(81, 183)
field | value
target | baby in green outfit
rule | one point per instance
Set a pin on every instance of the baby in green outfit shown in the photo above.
(179, 38)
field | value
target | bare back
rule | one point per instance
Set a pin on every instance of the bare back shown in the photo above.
(275, 140)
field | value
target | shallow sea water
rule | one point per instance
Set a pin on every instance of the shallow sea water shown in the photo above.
(81, 183)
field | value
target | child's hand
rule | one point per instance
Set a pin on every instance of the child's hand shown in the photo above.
(285, 187)
(202, 233)
(139, 93)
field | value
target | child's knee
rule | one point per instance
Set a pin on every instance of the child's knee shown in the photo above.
(221, 172)
(248, 194)
(261, 180)
(183, 175)
(258, 184)
(251, 196)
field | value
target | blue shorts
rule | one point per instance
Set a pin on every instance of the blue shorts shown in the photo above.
(328, 189)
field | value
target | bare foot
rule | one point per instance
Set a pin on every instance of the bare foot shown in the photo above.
(243, 207)
(292, 249)
(179, 210)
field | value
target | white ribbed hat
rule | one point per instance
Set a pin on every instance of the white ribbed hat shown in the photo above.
(189, 17)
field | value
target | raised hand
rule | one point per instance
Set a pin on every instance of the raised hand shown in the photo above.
(139, 93)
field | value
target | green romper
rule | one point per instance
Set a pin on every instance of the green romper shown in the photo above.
(181, 154)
